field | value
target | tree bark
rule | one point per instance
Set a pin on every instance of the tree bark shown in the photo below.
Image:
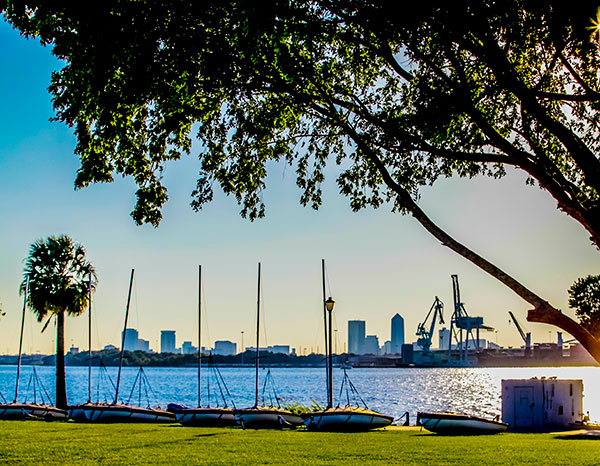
(61, 388)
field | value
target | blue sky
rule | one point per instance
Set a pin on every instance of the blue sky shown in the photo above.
(378, 263)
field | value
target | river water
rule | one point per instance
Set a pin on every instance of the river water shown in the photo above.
(390, 391)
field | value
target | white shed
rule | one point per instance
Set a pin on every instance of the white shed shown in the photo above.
(542, 403)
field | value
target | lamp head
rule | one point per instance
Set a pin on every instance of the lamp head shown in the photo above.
(329, 304)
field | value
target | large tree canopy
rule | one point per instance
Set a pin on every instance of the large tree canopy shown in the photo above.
(396, 98)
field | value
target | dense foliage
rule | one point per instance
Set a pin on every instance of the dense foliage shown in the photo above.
(141, 358)
(453, 88)
(584, 297)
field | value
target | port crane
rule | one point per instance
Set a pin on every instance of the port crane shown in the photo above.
(425, 336)
(525, 336)
(461, 321)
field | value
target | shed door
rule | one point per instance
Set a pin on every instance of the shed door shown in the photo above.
(524, 406)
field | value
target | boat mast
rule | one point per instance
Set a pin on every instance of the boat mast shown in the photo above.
(199, 333)
(325, 329)
(123, 338)
(330, 362)
(21, 338)
(90, 340)
(257, 338)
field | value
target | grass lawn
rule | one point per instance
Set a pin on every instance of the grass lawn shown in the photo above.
(38, 442)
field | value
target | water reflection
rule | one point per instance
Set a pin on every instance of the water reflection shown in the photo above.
(390, 391)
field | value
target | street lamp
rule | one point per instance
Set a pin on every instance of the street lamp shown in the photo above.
(329, 305)
(242, 347)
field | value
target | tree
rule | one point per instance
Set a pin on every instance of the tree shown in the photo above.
(459, 88)
(584, 297)
(59, 279)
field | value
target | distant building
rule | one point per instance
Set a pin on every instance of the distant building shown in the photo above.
(143, 345)
(397, 334)
(132, 342)
(444, 334)
(480, 344)
(387, 348)
(130, 339)
(167, 341)
(283, 349)
(188, 348)
(370, 345)
(74, 350)
(225, 348)
(356, 336)
(110, 347)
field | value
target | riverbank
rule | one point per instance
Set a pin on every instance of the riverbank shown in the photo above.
(38, 442)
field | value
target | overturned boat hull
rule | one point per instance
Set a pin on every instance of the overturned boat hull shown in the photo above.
(110, 413)
(22, 411)
(459, 424)
(203, 417)
(346, 420)
(268, 418)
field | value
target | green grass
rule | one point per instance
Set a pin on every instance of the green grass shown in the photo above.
(37, 442)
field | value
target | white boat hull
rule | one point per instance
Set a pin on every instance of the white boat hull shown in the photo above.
(120, 413)
(340, 420)
(457, 424)
(17, 411)
(265, 418)
(204, 417)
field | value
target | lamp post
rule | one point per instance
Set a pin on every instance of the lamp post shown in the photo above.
(329, 305)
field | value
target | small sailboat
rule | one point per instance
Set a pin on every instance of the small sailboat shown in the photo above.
(119, 412)
(207, 416)
(459, 424)
(18, 411)
(348, 418)
(265, 417)
(34, 410)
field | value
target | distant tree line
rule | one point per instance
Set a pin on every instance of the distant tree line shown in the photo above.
(142, 358)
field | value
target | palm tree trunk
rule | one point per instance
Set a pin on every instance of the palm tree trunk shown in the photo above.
(61, 388)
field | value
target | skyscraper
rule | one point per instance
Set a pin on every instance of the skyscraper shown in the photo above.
(356, 336)
(130, 340)
(167, 341)
(397, 333)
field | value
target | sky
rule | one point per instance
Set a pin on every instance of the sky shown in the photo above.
(378, 263)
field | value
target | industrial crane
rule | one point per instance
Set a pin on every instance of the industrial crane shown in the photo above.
(425, 336)
(461, 321)
(525, 336)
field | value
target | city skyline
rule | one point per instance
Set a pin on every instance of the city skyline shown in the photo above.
(514, 225)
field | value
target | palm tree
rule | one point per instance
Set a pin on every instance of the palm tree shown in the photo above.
(59, 281)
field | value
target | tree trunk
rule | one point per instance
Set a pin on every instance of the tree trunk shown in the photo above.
(549, 315)
(61, 388)
(543, 312)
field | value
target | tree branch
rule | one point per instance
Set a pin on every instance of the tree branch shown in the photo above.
(542, 312)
